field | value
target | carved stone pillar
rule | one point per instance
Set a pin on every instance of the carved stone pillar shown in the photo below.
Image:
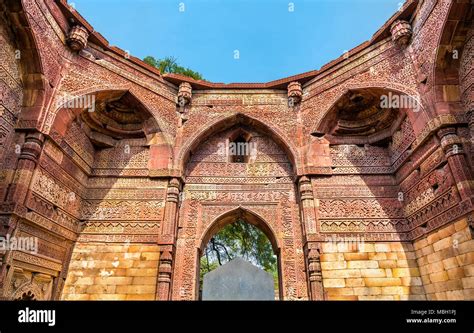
(14, 206)
(167, 240)
(452, 146)
(314, 272)
(312, 246)
(27, 161)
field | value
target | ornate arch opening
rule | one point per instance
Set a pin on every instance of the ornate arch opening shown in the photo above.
(247, 216)
(236, 120)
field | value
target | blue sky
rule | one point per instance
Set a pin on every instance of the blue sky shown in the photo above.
(274, 38)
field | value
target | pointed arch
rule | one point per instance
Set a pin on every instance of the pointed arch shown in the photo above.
(227, 122)
(233, 215)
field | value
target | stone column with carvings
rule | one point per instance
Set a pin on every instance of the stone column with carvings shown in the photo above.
(167, 240)
(452, 146)
(14, 205)
(312, 245)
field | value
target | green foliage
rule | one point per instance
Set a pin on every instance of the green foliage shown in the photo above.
(240, 239)
(170, 65)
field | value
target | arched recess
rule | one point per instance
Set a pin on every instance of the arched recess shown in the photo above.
(33, 81)
(116, 114)
(227, 122)
(376, 91)
(452, 89)
(248, 216)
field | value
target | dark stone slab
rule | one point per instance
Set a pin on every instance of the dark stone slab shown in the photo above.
(238, 280)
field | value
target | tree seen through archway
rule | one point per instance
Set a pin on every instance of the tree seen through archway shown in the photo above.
(239, 239)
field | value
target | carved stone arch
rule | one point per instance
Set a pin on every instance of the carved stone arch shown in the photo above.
(77, 103)
(154, 124)
(451, 89)
(227, 122)
(28, 291)
(418, 118)
(230, 217)
(33, 80)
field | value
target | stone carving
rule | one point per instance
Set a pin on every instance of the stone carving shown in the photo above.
(77, 38)
(401, 32)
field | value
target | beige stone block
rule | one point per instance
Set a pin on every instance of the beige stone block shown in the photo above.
(339, 291)
(329, 247)
(382, 247)
(392, 256)
(425, 270)
(332, 257)
(439, 277)
(84, 281)
(455, 273)
(434, 257)
(426, 251)
(430, 288)
(342, 298)
(433, 238)
(449, 263)
(99, 289)
(395, 290)
(108, 297)
(465, 259)
(377, 256)
(436, 267)
(461, 236)
(365, 291)
(382, 282)
(329, 265)
(140, 297)
(387, 263)
(76, 297)
(417, 290)
(356, 256)
(401, 247)
(412, 281)
(367, 247)
(145, 264)
(441, 296)
(334, 283)
(362, 264)
(374, 272)
(405, 272)
(455, 295)
(354, 282)
(406, 255)
(469, 270)
(422, 261)
(468, 282)
(454, 284)
(461, 224)
(465, 247)
(341, 273)
(426, 279)
(376, 298)
(142, 272)
(442, 244)
(420, 243)
(468, 294)
(142, 280)
(446, 231)
(113, 280)
(143, 289)
(150, 256)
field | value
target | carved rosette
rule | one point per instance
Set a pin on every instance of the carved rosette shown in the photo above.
(295, 93)
(185, 92)
(401, 32)
(77, 38)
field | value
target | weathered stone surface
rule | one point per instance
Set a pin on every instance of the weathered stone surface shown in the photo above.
(238, 280)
